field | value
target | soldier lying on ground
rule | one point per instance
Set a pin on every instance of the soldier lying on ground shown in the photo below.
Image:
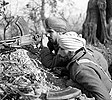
(88, 68)
(56, 26)
(89, 74)
(84, 70)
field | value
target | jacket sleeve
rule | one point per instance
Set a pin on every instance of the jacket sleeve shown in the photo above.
(49, 60)
(88, 79)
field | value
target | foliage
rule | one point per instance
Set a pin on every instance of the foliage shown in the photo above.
(22, 78)
(6, 18)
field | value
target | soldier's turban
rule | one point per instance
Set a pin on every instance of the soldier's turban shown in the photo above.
(71, 41)
(58, 24)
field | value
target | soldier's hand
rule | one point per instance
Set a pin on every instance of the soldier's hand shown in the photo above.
(44, 41)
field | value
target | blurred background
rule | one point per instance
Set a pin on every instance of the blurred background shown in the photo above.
(74, 11)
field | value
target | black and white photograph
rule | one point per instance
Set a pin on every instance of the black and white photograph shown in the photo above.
(55, 49)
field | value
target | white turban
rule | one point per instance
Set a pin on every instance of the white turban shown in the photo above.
(71, 41)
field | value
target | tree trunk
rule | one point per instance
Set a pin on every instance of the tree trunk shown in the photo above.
(109, 10)
(95, 25)
(42, 11)
(109, 16)
(90, 24)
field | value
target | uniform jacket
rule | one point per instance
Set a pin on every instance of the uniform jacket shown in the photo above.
(50, 60)
(89, 78)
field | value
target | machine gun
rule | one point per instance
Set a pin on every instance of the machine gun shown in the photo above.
(18, 42)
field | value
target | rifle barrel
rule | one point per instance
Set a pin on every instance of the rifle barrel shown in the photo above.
(7, 41)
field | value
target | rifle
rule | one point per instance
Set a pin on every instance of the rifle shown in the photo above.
(16, 43)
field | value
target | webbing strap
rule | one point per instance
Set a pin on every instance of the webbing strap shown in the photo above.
(89, 61)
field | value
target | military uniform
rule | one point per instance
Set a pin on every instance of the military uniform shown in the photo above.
(86, 76)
